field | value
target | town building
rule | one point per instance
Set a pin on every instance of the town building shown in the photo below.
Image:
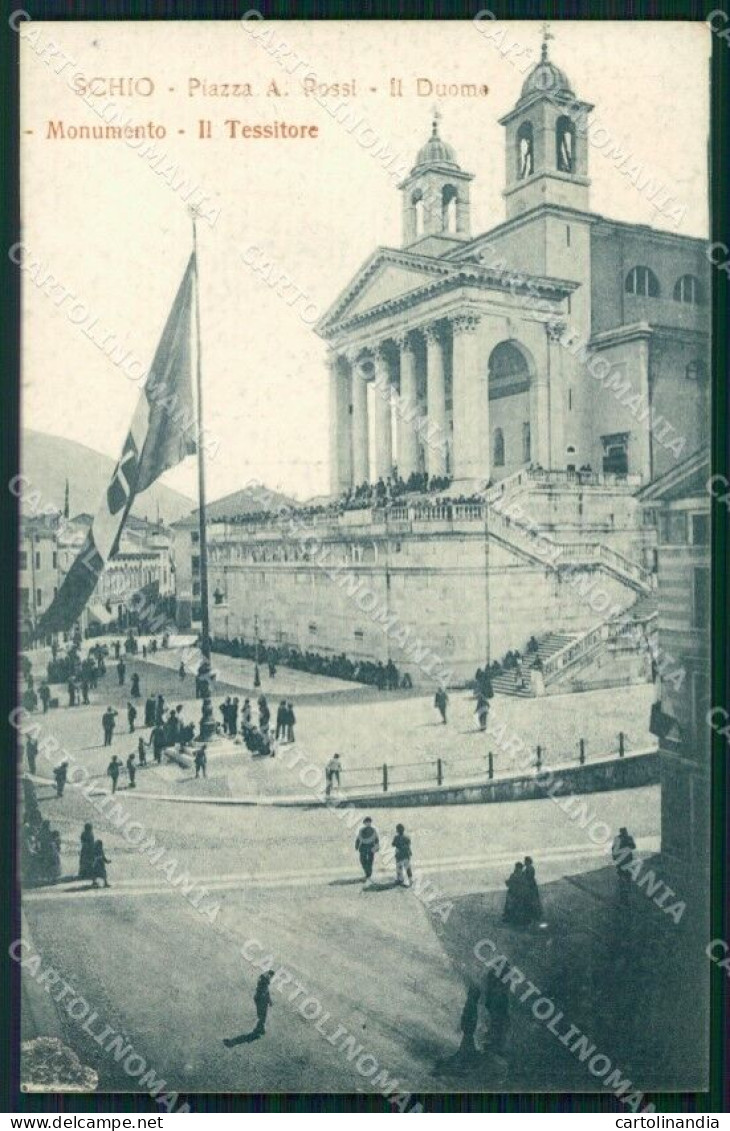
(49, 544)
(678, 502)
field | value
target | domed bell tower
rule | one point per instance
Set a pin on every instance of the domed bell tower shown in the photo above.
(547, 142)
(436, 194)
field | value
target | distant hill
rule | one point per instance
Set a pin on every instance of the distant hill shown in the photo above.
(47, 461)
(248, 500)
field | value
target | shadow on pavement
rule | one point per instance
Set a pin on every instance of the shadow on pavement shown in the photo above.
(242, 1039)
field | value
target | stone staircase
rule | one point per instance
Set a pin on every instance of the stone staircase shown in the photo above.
(509, 682)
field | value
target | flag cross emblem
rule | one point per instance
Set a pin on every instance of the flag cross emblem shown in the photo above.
(124, 479)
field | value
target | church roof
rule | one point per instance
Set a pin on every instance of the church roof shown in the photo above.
(545, 78)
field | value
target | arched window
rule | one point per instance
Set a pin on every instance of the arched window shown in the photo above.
(696, 371)
(525, 151)
(448, 208)
(688, 289)
(498, 448)
(526, 444)
(642, 281)
(565, 145)
(508, 370)
(418, 209)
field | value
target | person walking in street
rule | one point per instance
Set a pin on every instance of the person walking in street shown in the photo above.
(225, 710)
(468, 1025)
(264, 714)
(131, 716)
(515, 905)
(281, 719)
(113, 772)
(45, 693)
(233, 728)
(86, 853)
(121, 672)
(134, 687)
(201, 762)
(149, 711)
(85, 691)
(440, 702)
(131, 771)
(533, 903)
(99, 865)
(367, 844)
(31, 753)
(496, 1003)
(71, 692)
(290, 721)
(403, 865)
(157, 738)
(107, 722)
(262, 1001)
(60, 774)
(142, 751)
(622, 851)
(160, 710)
(332, 774)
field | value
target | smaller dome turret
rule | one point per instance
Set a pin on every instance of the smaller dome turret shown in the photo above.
(436, 151)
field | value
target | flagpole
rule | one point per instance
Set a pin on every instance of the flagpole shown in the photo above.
(205, 626)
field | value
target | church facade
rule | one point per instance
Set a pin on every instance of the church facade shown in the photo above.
(549, 368)
(557, 338)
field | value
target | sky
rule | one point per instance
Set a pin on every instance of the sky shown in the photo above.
(114, 233)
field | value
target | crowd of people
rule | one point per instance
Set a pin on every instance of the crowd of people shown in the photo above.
(382, 493)
(386, 677)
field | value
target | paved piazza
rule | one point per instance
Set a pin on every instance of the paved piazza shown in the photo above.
(140, 952)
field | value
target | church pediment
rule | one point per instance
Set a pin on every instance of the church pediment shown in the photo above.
(386, 275)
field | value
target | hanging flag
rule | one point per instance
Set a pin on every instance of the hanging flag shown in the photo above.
(159, 438)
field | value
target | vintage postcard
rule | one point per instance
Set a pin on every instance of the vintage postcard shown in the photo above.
(364, 717)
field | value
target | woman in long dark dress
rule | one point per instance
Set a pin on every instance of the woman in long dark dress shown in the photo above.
(532, 894)
(100, 863)
(515, 905)
(86, 854)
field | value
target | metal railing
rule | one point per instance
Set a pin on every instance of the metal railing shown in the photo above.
(475, 770)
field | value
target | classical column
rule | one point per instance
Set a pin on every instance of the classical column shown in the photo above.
(436, 434)
(360, 444)
(340, 437)
(407, 410)
(471, 402)
(381, 413)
